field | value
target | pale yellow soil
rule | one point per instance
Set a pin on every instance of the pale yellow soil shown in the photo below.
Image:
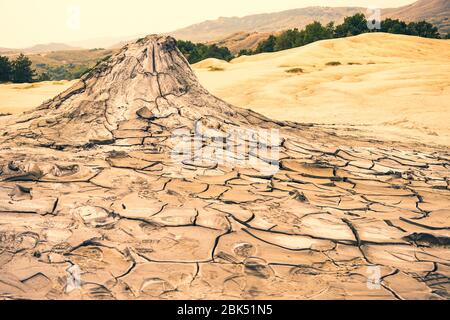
(16, 98)
(398, 87)
(387, 86)
(136, 183)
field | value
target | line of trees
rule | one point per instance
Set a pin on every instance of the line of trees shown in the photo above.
(63, 72)
(195, 52)
(352, 26)
(18, 70)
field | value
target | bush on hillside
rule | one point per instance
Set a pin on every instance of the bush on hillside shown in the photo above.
(352, 26)
(294, 70)
(5, 69)
(245, 52)
(420, 29)
(267, 45)
(195, 52)
(20, 70)
(423, 29)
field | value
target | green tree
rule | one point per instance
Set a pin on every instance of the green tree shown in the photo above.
(185, 46)
(423, 29)
(245, 52)
(44, 77)
(189, 50)
(267, 45)
(316, 31)
(21, 69)
(5, 69)
(394, 26)
(352, 26)
(330, 29)
(214, 51)
(289, 39)
(195, 52)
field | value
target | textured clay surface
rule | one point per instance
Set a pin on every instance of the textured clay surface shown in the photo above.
(91, 182)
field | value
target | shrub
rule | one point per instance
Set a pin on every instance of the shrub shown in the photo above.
(21, 69)
(214, 68)
(195, 52)
(245, 52)
(5, 69)
(267, 45)
(295, 70)
(352, 26)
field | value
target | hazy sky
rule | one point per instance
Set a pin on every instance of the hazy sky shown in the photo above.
(28, 22)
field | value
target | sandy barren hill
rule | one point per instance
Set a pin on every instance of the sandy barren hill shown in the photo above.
(392, 86)
(137, 183)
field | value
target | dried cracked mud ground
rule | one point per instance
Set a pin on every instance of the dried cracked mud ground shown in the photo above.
(89, 179)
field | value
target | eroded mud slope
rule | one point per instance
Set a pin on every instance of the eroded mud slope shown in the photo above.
(92, 184)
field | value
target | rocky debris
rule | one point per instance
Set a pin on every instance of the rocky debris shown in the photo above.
(101, 183)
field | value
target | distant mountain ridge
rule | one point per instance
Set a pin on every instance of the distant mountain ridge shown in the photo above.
(41, 48)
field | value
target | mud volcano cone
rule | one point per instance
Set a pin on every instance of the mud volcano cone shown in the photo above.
(147, 80)
(101, 199)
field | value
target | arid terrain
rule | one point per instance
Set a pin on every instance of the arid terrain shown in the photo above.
(382, 85)
(137, 183)
(16, 98)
